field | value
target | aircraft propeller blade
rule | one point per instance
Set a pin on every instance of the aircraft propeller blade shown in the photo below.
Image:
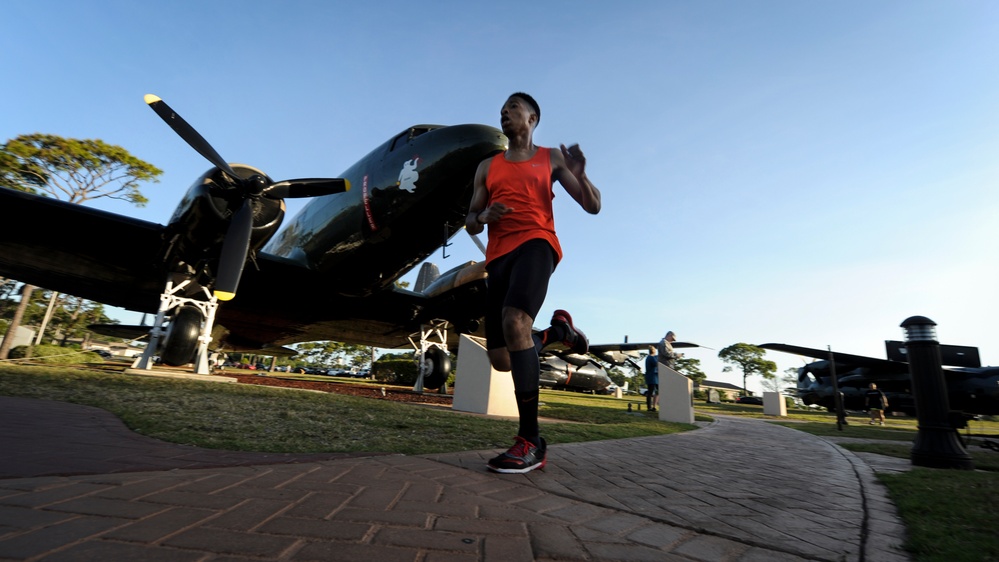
(306, 187)
(234, 250)
(187, 132)
(236, 243)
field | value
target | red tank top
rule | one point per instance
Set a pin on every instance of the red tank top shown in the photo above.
(526, 187)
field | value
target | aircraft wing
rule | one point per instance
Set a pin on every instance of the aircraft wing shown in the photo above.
(621, 353)
(271, 312)
(81, 251)
(637, 346)
(844, 359)
(111, 259)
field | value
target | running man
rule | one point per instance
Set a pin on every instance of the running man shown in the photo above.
(513, 194)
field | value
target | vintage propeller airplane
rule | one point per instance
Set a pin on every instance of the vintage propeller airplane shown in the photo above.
(562, 370)
(329, 275)
(971, 388)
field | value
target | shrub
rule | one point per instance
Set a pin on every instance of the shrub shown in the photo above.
(401, 370)
(54, 355)
(395, 370)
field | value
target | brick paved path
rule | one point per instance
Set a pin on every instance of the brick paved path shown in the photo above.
(739, 490)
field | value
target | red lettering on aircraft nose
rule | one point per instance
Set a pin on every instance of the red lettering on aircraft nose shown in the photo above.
(367, 204)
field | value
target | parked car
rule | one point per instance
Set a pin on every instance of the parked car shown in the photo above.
(750, 400)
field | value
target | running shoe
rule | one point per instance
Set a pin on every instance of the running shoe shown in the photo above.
(575, 339)
(523, 457)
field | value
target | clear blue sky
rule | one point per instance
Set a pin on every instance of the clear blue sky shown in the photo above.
(772, 171)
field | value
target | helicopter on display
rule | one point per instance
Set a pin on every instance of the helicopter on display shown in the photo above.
(971, 388)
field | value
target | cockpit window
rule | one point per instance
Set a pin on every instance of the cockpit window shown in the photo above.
(411, 133)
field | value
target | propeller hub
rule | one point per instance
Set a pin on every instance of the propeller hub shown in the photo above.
(255, 185)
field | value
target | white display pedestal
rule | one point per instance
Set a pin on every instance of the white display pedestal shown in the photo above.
(478, 388)
(774, 404)
(676, 393)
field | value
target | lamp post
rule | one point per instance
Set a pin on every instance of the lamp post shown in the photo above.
(837, 395)
(937, 444)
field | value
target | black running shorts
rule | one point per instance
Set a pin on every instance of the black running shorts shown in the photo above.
(518, 279)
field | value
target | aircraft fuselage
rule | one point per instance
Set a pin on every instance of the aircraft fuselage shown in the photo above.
(408, 197)
(560, 374)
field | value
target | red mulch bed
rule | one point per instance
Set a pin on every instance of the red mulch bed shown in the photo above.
(393, 393)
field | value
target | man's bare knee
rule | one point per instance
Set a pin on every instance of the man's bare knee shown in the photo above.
(517, 329)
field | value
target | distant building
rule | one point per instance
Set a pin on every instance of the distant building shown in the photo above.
(118, 349)
(726, 391)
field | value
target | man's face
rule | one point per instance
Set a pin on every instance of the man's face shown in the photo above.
(517, 115)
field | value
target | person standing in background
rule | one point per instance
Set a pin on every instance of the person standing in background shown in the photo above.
(666, 354)
(652, 379)
(877, 403)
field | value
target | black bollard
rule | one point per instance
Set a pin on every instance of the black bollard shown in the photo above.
(837, 395)
(937, 444)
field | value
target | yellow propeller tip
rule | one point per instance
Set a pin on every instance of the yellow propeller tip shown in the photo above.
(224, 296)
(151, 98)
(346, 185)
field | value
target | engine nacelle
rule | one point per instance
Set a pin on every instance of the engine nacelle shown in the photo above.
(199, 224)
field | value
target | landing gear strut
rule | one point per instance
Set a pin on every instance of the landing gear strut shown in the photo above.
(432, 360)
(187, 335)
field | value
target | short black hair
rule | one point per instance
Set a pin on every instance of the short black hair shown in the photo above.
(534, 105)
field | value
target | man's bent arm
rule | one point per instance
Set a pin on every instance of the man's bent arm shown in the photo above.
(480, 196)
(569, 167)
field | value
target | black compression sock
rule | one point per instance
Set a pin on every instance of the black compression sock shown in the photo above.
(527, 407)
(526, 369)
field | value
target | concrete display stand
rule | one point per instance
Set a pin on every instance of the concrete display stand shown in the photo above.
(774, 404)
(478, 388)
(676, 403)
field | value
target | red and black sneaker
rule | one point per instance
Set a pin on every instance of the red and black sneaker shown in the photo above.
(575, 340)
(523, 457)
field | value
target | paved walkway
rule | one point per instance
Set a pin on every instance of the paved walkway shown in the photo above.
(75, 484)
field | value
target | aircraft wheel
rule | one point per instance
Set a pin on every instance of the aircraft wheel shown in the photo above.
(437, 367)
(182, 337)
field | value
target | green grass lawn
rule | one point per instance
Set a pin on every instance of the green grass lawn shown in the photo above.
(268, 419)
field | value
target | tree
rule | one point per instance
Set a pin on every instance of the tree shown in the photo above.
(70, 170)
(690, 368)
(15, 322)
(329, 352)
(13, 177)
(74, 170)
(750, 359)
(790, 378)
(617, 376)
(74, 316)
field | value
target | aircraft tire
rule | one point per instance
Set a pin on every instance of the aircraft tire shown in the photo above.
(439, 367)
(182, 337)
